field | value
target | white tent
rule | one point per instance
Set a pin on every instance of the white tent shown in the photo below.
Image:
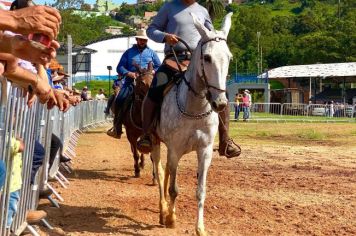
(315, 70)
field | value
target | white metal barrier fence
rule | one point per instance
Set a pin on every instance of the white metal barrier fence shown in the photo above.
(295, 111)
(18, 122)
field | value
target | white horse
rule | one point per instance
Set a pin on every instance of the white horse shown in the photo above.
(189, 119)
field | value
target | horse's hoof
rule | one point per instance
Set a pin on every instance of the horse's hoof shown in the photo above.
(137, 174)
(170, 222)
(162, 219)
(201, 232)
(154, 182)
(142, 165)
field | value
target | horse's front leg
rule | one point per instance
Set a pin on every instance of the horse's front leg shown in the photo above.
(172, 165)
(159, 173)
(136, 157)
(142, 161)
(204, 160)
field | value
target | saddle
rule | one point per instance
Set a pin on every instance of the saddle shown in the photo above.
(173, 65)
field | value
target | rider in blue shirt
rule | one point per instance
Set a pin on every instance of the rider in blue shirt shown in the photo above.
(141, 55)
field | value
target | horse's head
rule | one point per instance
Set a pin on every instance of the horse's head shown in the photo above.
(213, 57)
(144, 80)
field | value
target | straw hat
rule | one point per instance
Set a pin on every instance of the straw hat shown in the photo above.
(61, 72)
(141, 34)
(58, 78)
(54, 65)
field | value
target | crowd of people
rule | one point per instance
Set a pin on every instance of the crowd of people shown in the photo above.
(27, 55)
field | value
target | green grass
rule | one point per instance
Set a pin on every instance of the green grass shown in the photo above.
(293, 133)
(263, 116)
(312, 135)
(94, 86)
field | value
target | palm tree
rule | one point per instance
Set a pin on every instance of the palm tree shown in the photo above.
(214, 7)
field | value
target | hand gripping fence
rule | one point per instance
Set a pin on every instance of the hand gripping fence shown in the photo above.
(36, 126)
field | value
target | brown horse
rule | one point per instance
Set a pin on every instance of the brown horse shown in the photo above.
(132, 115)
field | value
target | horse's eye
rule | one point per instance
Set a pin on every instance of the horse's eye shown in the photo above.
(207, 58)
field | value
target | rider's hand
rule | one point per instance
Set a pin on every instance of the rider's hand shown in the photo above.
(171, 39)
(132, 75)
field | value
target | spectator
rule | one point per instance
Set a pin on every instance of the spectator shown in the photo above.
(237, 106)
(17, 147)
(2, 174)
(84, 94)
(246, 106)
(56, 145)
(100, 95)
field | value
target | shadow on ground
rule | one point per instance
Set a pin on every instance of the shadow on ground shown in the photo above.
(95, 220)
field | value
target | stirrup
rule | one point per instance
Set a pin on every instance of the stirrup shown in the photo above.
(234, 151)
(144, 144)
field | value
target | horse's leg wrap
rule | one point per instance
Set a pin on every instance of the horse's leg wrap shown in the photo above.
(227, 147)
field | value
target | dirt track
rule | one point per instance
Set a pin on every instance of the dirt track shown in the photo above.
(293, 189)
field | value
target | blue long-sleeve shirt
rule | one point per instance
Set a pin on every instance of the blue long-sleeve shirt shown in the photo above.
(141, 57)
(174, 18)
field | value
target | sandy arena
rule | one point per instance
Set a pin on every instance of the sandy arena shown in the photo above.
(278, 186)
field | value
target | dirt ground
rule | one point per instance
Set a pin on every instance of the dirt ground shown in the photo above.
(278, 188)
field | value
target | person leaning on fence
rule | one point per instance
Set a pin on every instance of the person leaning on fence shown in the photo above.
(84, 94)
(17, 147)
(174, 21)
(100, 95)
(2, 174)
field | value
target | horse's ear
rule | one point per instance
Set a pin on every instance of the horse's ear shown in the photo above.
(203, 31)
(137, 66)
(226, 25)
(150, 66)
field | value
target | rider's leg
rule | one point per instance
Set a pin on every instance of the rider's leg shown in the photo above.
(152, 101)
(226, 145)
(117, 124)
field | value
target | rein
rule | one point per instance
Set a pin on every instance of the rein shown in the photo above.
(188, 115)
(203, 77)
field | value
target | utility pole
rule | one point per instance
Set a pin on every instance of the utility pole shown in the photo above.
(235, 70)
(258, 52)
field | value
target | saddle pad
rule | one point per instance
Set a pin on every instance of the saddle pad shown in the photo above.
(168, 87)
(173, 64)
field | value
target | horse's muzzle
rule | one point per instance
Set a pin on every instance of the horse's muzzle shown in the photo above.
(218, 106)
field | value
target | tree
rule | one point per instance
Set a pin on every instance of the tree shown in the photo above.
(85, 7)
(214, 7)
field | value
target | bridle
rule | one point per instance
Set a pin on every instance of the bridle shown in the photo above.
(203, 77)
(207, 85)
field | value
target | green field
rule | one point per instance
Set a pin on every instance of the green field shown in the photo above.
(269, 117)
(95, 85)
(294, 133)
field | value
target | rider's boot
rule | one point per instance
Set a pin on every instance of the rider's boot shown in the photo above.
(227, 147)
(144, 144)
(116, 130)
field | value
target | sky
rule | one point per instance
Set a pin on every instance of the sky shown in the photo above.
(86, 1)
